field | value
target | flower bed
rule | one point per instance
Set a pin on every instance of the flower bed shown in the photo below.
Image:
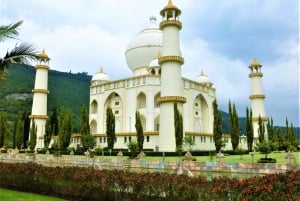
(87, 184)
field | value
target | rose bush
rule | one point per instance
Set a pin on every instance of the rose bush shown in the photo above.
(77, 183)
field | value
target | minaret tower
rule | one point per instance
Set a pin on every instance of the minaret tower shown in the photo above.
(171, 80)
(257, 97)
(40, 93)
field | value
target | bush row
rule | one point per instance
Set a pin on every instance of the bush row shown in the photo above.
(76, 183)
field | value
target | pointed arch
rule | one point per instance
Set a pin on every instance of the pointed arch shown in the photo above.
(141, 100)
(94, 107)
(156, 123)
(156, 98)
(93, 126)
(200, 114)
(115, 102)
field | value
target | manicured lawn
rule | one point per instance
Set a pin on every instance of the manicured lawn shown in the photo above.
(9, 195)
(280, 157)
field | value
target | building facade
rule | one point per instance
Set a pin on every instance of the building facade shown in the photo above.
(154, 56)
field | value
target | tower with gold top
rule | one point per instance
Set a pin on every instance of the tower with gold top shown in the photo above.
(171, 79)
(40, 93)
(257, 96)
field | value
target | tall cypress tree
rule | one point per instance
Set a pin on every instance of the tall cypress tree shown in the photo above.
(178, 124)
(54, 122)
(26, 119)
(234, 126)
(261, 130)
(19, 132)
(218, 130)
(65, 127)
(139, 131)
(84, 122)
(4, 129)
(110, 128)
(249, 129)
(270, 129)
(32, 136)
(87, 140)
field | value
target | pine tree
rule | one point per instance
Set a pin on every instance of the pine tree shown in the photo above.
(218, 130)
(139, 131)
(234, 126)
(178, 124)
(65, 127)
(110, 128)
(249, 129)
(54, 122)
(48, 134)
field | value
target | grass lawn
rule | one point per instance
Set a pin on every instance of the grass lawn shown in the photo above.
(280, 157)
(9, 195)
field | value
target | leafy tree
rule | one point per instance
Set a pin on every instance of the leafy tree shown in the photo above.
(264, 147)
(178, 123)
(218, 131)
(32, 136)
(261, 130)
(110, 128)
(88, 141)
(234, 126)
(20, 54)
(133, 148)
(249, 129)
(189, 142)
(19, 132)
(139, 130)
(4, 128)
(65, 127)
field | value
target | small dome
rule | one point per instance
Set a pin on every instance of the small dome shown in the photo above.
(44, 56)
(255, 63)
(203, 78)
(144, 46)
(154, 63)
(100, 76)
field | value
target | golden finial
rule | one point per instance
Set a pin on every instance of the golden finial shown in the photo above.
(43, 55)
(255, 63)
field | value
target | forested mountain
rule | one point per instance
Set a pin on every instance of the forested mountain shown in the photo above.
(66, 90)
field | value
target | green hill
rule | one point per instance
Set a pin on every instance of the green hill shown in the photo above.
(66, 90)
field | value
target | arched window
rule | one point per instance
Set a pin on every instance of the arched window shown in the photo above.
(141, 101)
(94, 107)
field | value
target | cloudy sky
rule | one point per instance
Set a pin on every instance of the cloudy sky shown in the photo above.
(219, 36)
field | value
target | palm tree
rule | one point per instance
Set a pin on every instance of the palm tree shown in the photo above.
(20, 54)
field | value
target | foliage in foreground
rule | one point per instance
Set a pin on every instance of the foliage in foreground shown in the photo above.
(88, 184)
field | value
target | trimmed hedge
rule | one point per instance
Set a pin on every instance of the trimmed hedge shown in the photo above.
(78, 184)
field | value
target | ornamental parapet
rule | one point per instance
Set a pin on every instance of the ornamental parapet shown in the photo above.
(172, 99)
(44, 91)
(163, 59)
(170, 22)
(38, 116)
(42, 67)
(255, 74)
(257, 96)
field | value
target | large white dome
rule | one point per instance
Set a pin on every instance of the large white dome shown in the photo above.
(144, 47)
